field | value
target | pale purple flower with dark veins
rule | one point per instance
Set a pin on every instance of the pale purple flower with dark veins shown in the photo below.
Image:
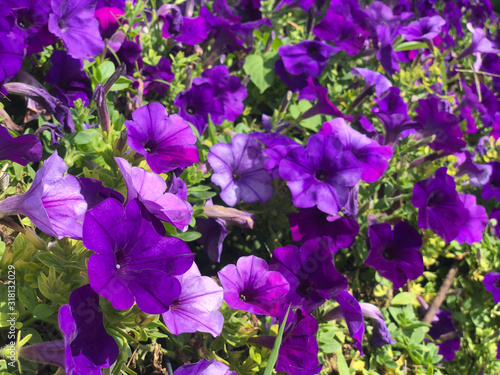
(239, 170)
(298, 354)
(492, 284)
(310, 271)
(480, 43)
(395, 253)
(71, 82)
(196, 308)
(374, 158)
(53, 203)
(167, 142)
(251, 287)
(22, 149)
(492, 188)
(439, 206)
(425, 28)
(381, 82)
(205, 367)
(320, 174)
(472, 230)
(479, 174)
(156, 204)
(227, 89)
(133, 263)
(433, 119)
(87, 347)
(73, 21)
(308, 57)
(309, 223)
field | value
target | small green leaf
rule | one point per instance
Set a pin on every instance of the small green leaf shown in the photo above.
(342, 364)
(407, 46)
(42, 311)
(404, 298)
(189, 236)
(261, 69)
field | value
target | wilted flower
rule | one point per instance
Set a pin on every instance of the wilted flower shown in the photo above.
(22, 149)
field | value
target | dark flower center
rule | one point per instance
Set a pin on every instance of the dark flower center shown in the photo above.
(236, 176)
(305, 288)
(312, 50)
(24, 19)
(497, 283)
(435, 198)
(387, 254)
(149, 146)
(321, 175)
(190, 110)
(243, 297)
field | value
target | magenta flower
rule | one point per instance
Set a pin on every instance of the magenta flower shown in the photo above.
(150, 190)
(22, 149)
(239, 170)
(394, 253)
(374, 158)
(196, 307)
(251, 287)
(310, 271)
(87, 348)
(320, 174)
(53, 203)
(133, 263)
(439, 206)
(73, 21)
(167, 142)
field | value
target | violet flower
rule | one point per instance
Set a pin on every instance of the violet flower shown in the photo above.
(320, 174)
(22, 149)
(351, 311)
(155, 76)
(425, 28)
(53, 203)
(492, 284)
(439, 206)
(309, 223)
(150, 189)
(205, 367)
(441, 324)
(73, 21)
(323, 106)
(308, 57)
(472, 230)
(133, 263)
(380, 334)
(251, 287)
(386, 53)
(87, 348)
(310, 272)
(394, 253)
(492, 188)
(381, 82)
(167, 142)
(480, 43)
(239, 170)
(196, 307)
(479, 174)
(373, 158)
(95, 192)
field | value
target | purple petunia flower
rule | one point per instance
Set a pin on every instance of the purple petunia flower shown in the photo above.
(133, 263)
(441, 324)
(186, 30)
(425, 28)
(22, 150)
(479, 174)
(380, 335)
(492, 284)
(480, 43)
(87, 348)
(167, 142)
(320, 174)
(381, 82)
(351, 311)
(53, 203)
(196, 307)
(492, 188)
(239, 170)
(95, 192)
(323, 106)
(386, 53)
(251, 287)
(472, 230)
(155, 76)
(310, 271)
(150, 190)
(373, 158)
(205, 367)
(308, 57)
(394, 253)
(73, 21)
(439, 206)
(309, 223)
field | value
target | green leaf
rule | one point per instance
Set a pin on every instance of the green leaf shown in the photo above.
(418, 336)
(404, 298)
(407, 46)
(107, 68)
(121, 84)
(189, 236)
(342, 364)
(42, 311)
(276, 348)
(261, 69)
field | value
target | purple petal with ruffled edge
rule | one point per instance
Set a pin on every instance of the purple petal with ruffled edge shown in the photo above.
(492, 284)
(381, 82)
(380, 334)
(22, 150)
(73, 21)
(351, 310)
(205, 367)
(425, 28)
(196, 308)
(251, 287)
(473, 229)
